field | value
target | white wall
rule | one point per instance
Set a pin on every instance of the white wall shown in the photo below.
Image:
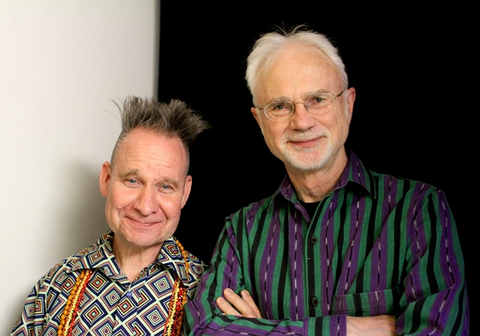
(61, 64)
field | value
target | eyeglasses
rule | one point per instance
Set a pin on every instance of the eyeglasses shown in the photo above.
(317, 104)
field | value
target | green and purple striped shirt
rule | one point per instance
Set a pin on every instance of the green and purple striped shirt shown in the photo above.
(375, 245)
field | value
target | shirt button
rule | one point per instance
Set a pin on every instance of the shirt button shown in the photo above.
(314, 240)
(129, 294)
(314, 301)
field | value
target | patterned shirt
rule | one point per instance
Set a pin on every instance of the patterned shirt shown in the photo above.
(375, 245)
(111, 304)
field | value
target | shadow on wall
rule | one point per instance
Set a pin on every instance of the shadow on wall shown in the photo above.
(83, 212)
(79, 219)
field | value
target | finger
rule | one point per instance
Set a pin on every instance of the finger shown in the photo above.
(226, 307)
(249, 300)
(239, 303)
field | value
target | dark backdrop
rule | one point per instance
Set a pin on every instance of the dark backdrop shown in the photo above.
(415, 75)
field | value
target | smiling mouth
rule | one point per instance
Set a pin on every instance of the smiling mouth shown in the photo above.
(305, 142)
(141, 223)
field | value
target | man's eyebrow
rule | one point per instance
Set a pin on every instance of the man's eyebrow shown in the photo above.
(304, 96)
(169, 181)
(315, 93)
(129, 172)
(279, 99)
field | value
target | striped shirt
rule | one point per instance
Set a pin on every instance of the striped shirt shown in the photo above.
(111, 304)
(375, 245)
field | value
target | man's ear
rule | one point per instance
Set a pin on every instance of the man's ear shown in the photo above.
(256, 116)
(187, 189)
(352, 94)
(105, 176)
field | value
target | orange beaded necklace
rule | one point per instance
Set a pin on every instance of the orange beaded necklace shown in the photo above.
(174, 323)
(71, 307)
(178, 299)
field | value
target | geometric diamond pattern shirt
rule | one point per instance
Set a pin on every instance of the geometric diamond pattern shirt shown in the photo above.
(375, 245)
(110, 304)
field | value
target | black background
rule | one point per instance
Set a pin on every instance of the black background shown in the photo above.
(416, 78)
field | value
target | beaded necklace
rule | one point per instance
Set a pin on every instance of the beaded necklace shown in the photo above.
(178, 299)
(71, 307)
(174, 322)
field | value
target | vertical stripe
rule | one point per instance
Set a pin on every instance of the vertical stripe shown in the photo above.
(377, 244)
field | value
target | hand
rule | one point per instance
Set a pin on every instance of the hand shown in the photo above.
(232, 304)
(381, 325)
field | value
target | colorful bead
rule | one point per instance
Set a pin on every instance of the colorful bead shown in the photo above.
(71, 306)
(179, 298)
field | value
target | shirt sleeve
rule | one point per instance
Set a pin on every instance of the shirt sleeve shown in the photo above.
(434, 300)
(34, 318)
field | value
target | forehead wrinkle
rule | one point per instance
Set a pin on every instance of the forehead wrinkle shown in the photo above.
(310, 67)
(304, 96)
(151, 156)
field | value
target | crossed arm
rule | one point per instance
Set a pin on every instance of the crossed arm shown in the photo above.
(244, 305)
(430, 277)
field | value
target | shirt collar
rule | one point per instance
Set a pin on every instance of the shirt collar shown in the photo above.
(353, 173)
(171, 256)
(100, 255)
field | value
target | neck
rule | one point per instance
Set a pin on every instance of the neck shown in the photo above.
(133, 260)
(313, 186)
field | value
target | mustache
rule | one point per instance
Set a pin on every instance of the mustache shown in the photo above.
(304, 136)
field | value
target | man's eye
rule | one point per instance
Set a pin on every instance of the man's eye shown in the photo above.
(166, 188)
(280, 107)
(132, 181)
(318, 102)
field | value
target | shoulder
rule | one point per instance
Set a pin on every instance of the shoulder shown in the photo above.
(379, 184)
(252, 210)
(197, 266)
(386, 183)
(72, 263)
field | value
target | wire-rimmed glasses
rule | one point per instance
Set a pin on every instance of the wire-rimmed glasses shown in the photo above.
(317, 104)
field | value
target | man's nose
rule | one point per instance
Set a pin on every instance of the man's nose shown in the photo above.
(147, 201)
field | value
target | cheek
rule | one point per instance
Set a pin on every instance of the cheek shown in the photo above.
(271, 134)
(121, 198)
(171, 207)
(339, 128)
